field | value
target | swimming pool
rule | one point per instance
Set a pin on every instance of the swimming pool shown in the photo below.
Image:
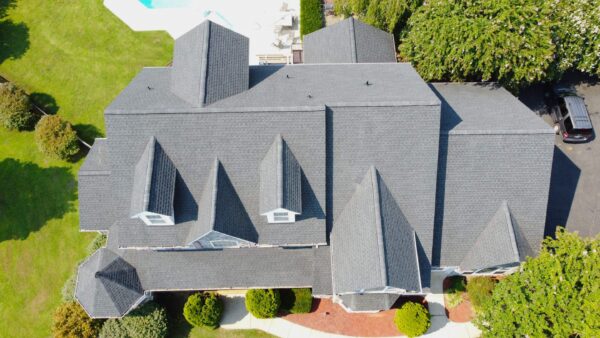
(166, 3)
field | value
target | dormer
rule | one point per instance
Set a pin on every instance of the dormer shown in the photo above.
(210, 63)
(280, 184)
(154, 186)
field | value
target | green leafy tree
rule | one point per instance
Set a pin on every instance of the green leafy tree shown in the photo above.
(412, 319)
(70, 320)
(149, 321)
(56, 137)
(383, 14)
(509, 41)
(263, 303)
(577, 35)
(311, 16)
(556, 294)
(204, 310)
(15, 108)
(480, 290)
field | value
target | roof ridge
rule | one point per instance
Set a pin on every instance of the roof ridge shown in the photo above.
(151, 148)
(204, 60)
(511, 231)
(353, 53)
(279, 169)
(378, 225)
(215, 191)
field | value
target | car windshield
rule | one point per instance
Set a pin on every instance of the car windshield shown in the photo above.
(563, 108)
(568, 124)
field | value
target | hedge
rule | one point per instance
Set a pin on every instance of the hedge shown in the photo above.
(15, 108)
(149, 321)
(98, 242)
(480, 290)
(203, 310)
(311, 16)
(296, 300)
(56, 137)
(263, 303)
(412, 319)
(70, 320)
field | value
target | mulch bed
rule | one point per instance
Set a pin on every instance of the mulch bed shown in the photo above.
(464, 311)
(332, 318)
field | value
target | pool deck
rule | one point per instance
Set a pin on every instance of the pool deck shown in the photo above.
(256, 20)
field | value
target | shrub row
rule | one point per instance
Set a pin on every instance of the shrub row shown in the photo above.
(311, 16)
(54, 136)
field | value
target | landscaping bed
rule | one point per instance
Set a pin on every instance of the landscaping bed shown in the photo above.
(456, 299)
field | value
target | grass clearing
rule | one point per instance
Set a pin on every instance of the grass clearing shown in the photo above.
(75, 57)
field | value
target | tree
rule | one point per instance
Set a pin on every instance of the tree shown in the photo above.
(556, 294)
(203, 309)
(383, 14)
(15, 108)
(148, 321)
(577, 35)
(412, 319)
(263, 303)
(70, 320)
(509, 41)
(480, 290)
(311, 16)
(56, 137)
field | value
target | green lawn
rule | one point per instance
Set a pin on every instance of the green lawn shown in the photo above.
(76, 56)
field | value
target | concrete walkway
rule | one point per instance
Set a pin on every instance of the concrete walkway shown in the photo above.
(236, 317)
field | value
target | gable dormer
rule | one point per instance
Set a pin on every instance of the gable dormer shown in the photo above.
(280, 184)
(154, 186)
(210, 63)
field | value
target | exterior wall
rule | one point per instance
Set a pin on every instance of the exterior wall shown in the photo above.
(368, 302)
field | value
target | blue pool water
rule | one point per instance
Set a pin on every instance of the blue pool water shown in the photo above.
(166, 3)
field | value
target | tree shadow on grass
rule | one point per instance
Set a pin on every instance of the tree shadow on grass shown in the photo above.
(30, 196)
(45, 101)
(5, 5)
(14, 40)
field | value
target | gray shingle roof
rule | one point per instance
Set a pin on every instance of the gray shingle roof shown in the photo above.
(107, 286)
(349, 41)
(373, 244)
(210, 63)
(94, 185)
(220, 209)
(154, 182)
(280, 179)
(496, 245)
(491, 147)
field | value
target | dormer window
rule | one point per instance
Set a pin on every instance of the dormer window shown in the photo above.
(155, 219)
(154, 186)
(280, 184)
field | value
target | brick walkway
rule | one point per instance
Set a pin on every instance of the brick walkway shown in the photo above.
(329, 317)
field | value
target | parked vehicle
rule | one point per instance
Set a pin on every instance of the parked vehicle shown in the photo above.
(570, 116)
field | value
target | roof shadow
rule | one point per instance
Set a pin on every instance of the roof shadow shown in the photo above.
(563, 184)
(262, 72)
(310, 204)
(186, 208)
(449, 118)
(31, 196)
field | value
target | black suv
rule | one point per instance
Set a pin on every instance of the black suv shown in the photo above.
(570, 116)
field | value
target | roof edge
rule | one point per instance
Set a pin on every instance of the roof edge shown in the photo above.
(511, 231)
(378, 225)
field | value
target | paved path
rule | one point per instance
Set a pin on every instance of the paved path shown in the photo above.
(236, 317)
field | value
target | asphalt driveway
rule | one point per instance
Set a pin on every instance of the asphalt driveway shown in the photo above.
(574, 199)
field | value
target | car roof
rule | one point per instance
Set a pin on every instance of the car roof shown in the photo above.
(578, 112)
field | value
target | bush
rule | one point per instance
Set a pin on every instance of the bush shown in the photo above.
(98, 242)
(15, 108)
(149, 321)
(311, 16)
(412, 319)
(68, 289)
(263, 303)
(383, 14)
(454, 294)
(480, 290)
(56, 138)
(204, 310)
(70, 320)
(296, 300)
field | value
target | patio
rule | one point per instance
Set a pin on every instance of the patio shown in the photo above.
(271, 25)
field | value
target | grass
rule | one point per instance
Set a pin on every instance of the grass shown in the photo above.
(296, 300)
(75, 57)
